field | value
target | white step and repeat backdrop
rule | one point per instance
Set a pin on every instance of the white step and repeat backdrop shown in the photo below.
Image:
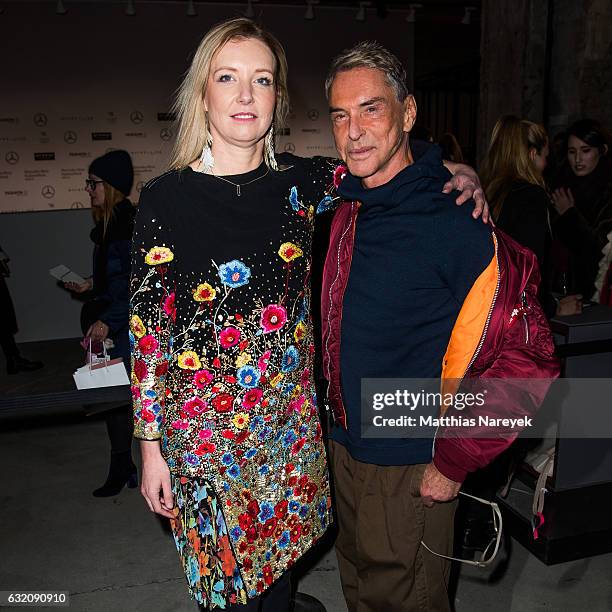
(76, 85)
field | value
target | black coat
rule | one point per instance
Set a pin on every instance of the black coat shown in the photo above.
(111, 277)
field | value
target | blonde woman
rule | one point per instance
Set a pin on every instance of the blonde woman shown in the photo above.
(223, 348)
(512, 175)
(106, 315)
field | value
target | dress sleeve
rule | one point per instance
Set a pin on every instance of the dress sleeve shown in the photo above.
(152, 315)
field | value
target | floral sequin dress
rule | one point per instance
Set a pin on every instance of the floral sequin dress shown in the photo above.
(222, 369)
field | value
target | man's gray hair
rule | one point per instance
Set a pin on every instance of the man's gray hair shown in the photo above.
(370, 54)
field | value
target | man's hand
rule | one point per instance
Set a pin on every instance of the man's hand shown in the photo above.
(155, 483)
(569, 305)
(86, 285)
(467, 182)
(435, 487)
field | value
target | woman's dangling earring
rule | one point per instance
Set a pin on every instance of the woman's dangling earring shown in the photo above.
(269, 153)
(207, 161)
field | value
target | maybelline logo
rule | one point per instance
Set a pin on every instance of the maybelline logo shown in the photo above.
(136, 134)
(79, 154)
(44, 156)
(77, 118)
(9, 119)
(166, 116)
(101, 135)
(16, 192)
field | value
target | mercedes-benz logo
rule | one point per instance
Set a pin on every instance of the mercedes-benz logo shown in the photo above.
(136, 117)
(12, 157)
(48, 192)
(289, 148)
(40, 119)
(165, 134)
(313, 114)
(76, 205)
(70, 137)
(139, 186)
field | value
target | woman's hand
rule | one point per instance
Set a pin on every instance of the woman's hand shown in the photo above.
(86, 285)
(467, 182)
(98, 331)
(569, 305)
(155, 484)
(563, 200)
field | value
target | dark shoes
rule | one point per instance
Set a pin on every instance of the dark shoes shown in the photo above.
(122, 472)
(17, 364)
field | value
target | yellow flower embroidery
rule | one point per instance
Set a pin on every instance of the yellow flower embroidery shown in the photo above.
(137, 326)
(241, 420)
(159, 255)
(189, 360)
(275, 380)
(300, 331)
(289, 251)
(204, 293)
(242, 359)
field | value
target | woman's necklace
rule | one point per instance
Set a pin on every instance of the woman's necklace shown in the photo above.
(238, 186)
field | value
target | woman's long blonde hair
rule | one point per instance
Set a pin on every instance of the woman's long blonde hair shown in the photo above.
(508, 159)
(112, 197)
(192, 131)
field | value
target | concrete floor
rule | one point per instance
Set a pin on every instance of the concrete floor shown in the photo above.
(113, 554)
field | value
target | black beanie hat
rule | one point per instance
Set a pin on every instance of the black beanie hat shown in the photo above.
(115, 167)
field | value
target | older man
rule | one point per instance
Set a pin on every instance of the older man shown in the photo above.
(403, 263)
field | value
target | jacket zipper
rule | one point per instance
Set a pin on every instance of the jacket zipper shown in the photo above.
(352, 224)
(526, 309)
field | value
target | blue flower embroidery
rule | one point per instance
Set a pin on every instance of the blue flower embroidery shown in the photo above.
(289, 438)
(325, 204)
(266, 512)
(294, 506)
(283, 541)
(291, 359)
(227, 459)
(248, 377)
(293, 198)
(191, 459)
(234, 471)
(234, 273)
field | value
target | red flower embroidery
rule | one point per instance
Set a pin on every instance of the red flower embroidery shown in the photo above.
(140, 369)
(147, 344)
(230, 336)
(295, 533)
(253, 507)
(202, 378)
(297, 446)
(169, 306)
(194, 407)
(280, 510)
(161, 369)
(205, 448)
(339, 174)
(245, 520)
(273, 317)
(251, 398)
(268, 528)
(268, 576)
(223, 402)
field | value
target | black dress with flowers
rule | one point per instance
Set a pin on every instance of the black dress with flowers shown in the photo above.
(222, 368)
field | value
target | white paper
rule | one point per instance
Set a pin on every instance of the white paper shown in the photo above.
(66, 275)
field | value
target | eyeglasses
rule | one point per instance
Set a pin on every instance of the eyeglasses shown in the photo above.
(91, 184)
(487, 557)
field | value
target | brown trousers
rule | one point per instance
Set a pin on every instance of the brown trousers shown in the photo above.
(382, 520)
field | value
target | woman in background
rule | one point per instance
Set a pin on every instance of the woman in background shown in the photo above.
(583, 201)
(513, 180)
(105, 318)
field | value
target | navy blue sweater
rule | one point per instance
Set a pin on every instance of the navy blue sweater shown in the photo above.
(415, 259)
